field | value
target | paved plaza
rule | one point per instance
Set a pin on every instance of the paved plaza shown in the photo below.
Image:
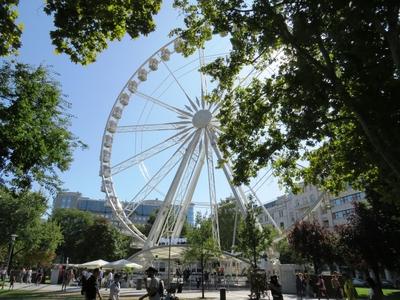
(130, 293)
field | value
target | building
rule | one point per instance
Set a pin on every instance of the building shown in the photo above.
(100, 207)
(313, 204)
(149, 207)
(77, 201)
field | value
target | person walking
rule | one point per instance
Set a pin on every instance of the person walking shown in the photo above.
(39, 276)
(110, 279)
(64, 275)
(115, 288)
(3, 275)
(276, 288)
(350, 292)
(152, 284)
(321, 288)
(12, 280)
(29, 276)
(336, 286)
(299, 286)
(91, 286)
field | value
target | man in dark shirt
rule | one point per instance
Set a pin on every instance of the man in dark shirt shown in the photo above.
(91, 286)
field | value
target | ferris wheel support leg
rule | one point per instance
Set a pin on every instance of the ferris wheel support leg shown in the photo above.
(156, 229)
(237, 192)
(211, 188)
(188, 199)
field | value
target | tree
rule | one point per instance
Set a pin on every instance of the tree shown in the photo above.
(313, 243)
(201, 245)
(370, 237)
(10, 31)
(227, 216)
(253, 241)
(37, 239)
(83, 28)
(287, 255)
(103, 240)
(333, 100)
(74, 224)
(34, 138)
(89, 237)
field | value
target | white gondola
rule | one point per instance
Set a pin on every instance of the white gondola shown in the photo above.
(165, 54)
(178, 45)
(124, 99)
(153, 64)
(117, 112)
(106, 171)
(142, 74)
(106, 156)
(132, 86)
(108, 139)
(112, 126)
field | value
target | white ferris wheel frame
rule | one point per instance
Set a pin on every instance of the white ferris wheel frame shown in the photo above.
(197, 135)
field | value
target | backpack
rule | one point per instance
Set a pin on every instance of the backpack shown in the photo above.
(161, 287)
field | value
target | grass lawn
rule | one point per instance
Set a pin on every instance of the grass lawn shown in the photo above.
(389, 293)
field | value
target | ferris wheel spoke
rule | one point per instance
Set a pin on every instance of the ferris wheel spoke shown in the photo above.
(163, 104)
(211, 187)
(237, 191)
(176, 80)
(153, 127)
(149, 152)
(203, 80)
(159, 175)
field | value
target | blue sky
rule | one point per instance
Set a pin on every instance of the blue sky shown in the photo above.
(92, 91)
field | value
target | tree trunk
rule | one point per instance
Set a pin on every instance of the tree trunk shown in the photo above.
(202, 276)
(378, 289)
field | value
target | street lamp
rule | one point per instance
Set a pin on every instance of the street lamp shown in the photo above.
(169, 233)
(10, 254)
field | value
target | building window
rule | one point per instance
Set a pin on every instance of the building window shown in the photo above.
(282, 225)
(281, 214)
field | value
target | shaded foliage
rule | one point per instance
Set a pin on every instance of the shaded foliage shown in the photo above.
(313, 243)
(89, 237)
(333, 100)
(37, 239)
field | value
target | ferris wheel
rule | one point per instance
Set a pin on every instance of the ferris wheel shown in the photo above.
(162, 130)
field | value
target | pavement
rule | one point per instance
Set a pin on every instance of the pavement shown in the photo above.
(130, 292)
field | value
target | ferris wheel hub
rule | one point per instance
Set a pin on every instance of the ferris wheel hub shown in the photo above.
(202, 118)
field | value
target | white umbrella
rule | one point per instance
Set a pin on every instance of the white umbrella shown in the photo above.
(94, 264)
(122, 263)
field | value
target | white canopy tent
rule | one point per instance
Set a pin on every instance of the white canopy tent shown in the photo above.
(94, 264)
(122, 263)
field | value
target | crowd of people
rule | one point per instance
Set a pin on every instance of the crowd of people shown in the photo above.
(24, 275)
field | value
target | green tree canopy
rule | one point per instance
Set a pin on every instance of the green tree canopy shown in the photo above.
(10, 32)
(227, 212)
(37, 239)
(34, 138)
(74, 224)
(201, 245)
(82, 28)
(333, 100)
(253, 239)
(89, 237)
